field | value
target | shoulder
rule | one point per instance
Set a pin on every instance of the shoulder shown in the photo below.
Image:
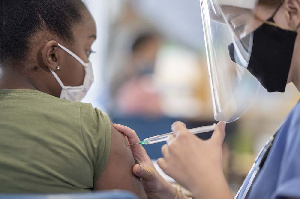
(289, 174)
(95, 125)
(292, 126)
(90, 115)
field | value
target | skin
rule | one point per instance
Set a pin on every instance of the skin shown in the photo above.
(291, 13)
(178, 158)
(197, 164)
(287, 17)
(34, 73)
(206, 156)
(117, 173)
(155, 185)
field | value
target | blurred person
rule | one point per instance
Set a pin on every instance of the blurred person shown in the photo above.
(197, 164)
(133, 90)
(49, 141)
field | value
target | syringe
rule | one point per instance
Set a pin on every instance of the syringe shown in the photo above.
(164, 137)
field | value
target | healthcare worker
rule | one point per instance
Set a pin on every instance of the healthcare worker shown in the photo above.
(265, 44)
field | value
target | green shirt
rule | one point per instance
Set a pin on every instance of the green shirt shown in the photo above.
(50, 145)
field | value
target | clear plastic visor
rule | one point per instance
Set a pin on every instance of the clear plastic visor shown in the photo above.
(228, 39)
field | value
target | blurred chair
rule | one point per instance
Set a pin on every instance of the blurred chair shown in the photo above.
(114, 194)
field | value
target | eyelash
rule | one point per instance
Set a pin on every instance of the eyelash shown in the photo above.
(89, 52)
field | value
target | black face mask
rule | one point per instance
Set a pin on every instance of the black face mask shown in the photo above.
(271, 56)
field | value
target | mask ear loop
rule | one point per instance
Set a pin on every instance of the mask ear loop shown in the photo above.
(273, 15)
(73, 55)
(58, 79)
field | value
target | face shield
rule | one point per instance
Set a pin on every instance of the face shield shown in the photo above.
(229, 30)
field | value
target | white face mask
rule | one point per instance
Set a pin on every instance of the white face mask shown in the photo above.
(76, 93)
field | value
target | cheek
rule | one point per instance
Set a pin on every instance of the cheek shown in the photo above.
(295, 63)
(296, 58)
(72, 73)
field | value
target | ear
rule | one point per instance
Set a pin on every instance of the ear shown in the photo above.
(50, 55)
(292, 12)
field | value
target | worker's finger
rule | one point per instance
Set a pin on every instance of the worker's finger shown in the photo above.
(143, 171)
(128, 132)
(178, 127)
(162, 163)
(170, 139)
(165, 150)
(219, 133)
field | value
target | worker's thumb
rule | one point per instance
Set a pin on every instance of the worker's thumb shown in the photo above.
(219, 133)
(143, 171)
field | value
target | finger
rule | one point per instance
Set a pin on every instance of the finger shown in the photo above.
(128, 132)
(170, 139)
(178, 127)
(219, 133)
(138, 150)
(162, 163)
(142, 171)
(164, 150)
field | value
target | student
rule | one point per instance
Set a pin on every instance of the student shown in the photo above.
(49, 141)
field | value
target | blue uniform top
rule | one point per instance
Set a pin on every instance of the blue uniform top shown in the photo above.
(280, 174)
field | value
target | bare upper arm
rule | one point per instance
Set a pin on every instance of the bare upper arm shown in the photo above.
(118, 171)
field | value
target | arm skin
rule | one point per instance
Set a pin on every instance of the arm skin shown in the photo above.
(118, 171)
(156, 186)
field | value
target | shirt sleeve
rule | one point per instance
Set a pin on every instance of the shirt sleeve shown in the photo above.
(289, 176)
(96, 133)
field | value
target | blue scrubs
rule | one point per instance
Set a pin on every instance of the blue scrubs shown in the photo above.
(279, 176)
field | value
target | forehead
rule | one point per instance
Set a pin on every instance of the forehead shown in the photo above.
(247, 20)
(261, 11)
(86, 28)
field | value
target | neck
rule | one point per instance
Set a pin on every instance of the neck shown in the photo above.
(294, 74)
(13, 79)
(294, 77)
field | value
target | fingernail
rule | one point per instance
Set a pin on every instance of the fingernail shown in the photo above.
(173, 125)
(222, 124)
(139, 169)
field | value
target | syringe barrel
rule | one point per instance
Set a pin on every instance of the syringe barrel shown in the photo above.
(158, 138)
(203, 129)
(164, 137)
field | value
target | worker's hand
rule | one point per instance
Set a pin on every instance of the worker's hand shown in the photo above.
(155, 185)
(194, 163)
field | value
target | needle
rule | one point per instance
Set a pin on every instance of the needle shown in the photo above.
(164, 137)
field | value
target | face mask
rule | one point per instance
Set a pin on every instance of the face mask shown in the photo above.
(271, 56)
(76, 93)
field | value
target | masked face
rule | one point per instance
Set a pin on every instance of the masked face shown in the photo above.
(271, 56)
(76, 93)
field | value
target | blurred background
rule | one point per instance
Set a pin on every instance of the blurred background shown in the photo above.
(150, 70)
